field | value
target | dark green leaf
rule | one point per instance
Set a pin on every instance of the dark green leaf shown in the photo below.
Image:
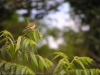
(34, 58)
(12, 42)
(35, 38)
(1, 64)
(67, 72)
(72, 66)
(24, 56)
(37, 35)
(3, 40)
(42, 61)
(41, 65)
(3, 51)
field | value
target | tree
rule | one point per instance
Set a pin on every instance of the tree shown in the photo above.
(67, 67)
(88, 11)
(91, 16)
(8, 8)
(21, 56)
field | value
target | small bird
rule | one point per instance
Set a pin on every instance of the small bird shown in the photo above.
(30, 26)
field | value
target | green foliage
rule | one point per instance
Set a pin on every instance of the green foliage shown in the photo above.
(66, 67)
(21, 57)
(22, 51)
(13, 68)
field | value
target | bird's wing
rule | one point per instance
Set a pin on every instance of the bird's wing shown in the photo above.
(29, 25)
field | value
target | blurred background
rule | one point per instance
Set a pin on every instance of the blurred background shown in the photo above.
(69, 26)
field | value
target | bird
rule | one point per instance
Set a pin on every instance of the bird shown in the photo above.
(30, 27)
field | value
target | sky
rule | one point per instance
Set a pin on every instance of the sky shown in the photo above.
(61, 18)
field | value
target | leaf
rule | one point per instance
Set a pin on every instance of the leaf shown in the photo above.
(18, 71)
(12, 70)
(33, 42)
(85, 61)
(34, 58)
(61, 54)
(97, 72)
(24, 56)
(72, 66)
(17, 53)
(3, 40)
(27, 72)
(33, 47)
(79, 61)
(92, 71)
(31, 35)
(25, 43)
(41, 65)
(62, 72)
(89, 60)
(1, 64)
(48, 63)
(7, 66)
(18, 43)
(35, 38)
(1, 34)
(40, 35)
(3, 52)
(67, 72)
(86, 72)
(9, 54)
(78, 72)
(37, 35)
(8, 33)
(33, 64)
(58, 66)
(12, 51)
(23, 71)
(42, 61)
(64, 55)
(56, 57)
(27, 20)
(11, 41)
